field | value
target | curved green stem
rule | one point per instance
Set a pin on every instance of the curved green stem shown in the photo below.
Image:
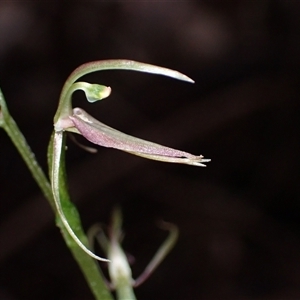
(56, 180)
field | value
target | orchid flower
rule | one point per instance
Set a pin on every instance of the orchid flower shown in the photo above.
(78, 121)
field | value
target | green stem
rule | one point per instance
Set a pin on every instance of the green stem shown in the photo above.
(13, 131)
(125, 292)
(87, 265)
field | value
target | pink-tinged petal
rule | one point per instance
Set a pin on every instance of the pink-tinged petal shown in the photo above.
(103, 135)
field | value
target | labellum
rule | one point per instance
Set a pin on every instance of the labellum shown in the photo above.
(103, 135)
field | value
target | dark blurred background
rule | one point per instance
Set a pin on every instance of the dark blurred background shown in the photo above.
(239, 218)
